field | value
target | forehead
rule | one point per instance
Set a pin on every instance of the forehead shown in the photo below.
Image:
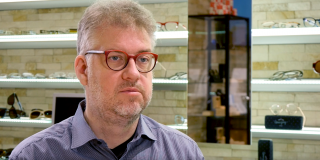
(121, 38)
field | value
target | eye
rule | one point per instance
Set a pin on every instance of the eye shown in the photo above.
(143, 59)
(114, 58)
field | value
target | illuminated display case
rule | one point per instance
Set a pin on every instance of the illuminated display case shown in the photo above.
(219, 79)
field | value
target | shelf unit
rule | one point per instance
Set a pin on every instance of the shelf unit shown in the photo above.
(158, 84)
(173, 38)
(25, 122)
(304, 85)
(37, 4)
(286, 36)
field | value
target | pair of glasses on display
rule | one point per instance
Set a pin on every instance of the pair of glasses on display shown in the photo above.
(272, 24)
(39, 113)
(311, 22)
(179, 75)
(290, 108)
(287, 75)
(5, 153)
(316, 67)
(170, 26)
(4, 32)
(13, 113)
(117, 60)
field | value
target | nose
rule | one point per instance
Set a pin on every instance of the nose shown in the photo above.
(131, 73)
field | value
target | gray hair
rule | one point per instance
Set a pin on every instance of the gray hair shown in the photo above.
(120, 13)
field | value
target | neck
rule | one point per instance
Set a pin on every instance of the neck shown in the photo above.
(114, 131)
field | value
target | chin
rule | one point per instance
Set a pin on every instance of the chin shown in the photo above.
(129, 110)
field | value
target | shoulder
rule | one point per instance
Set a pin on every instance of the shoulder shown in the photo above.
(41, 142)
(163, 131)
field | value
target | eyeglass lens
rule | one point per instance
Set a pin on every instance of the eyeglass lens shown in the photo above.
(11, 99)
(317, 67)
(118, 60)
(309, 22)
(36, 114)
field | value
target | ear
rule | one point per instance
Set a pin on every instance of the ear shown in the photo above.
(80, 66)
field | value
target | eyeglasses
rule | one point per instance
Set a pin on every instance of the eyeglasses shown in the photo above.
(290, 108)
(13, 113)
(287, 75)
(169, 26)
(316, 67)
(5, 153)
(39, 113)
(271, 24)
(310, 22)
(118, 60)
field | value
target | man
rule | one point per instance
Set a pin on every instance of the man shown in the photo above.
(114, 65)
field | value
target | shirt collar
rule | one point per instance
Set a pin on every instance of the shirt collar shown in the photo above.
(81, 131)
(144, 129)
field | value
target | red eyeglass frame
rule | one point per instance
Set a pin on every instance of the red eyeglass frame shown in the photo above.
(164, 24)
(133, 57)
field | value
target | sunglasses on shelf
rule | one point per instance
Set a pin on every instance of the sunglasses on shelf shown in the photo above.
(39, 113)
(13, 113)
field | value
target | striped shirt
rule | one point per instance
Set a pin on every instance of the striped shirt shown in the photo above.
(74, 139)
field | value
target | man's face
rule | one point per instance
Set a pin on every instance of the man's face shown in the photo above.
(123, 93)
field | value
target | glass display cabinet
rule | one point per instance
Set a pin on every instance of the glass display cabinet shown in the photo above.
(219, 79)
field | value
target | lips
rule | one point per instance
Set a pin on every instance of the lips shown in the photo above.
(130, 89)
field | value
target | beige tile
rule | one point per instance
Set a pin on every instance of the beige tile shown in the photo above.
(302, 14)
(259, 16)
(315, 5)
(47, 59)
(309, 106)
(64, 58)
(31, 66)
(309, 149)
(7, 18)
(270, 7)
(172, 18)
(178, 11)
(167, 58)
(313, 48)
(265, 65)
(175, 95)
(71, 51)
(183, 19)
(54, 66)
(25, 59)
(33, 17)
(299, 6)
(44, 24)
(280, 15)
(217, 152)
(158, 94)
(67, 66)
(295, 147)
(310, 74)
(287, 48)
(66, 23)
(259, 120)
(310, 57)
(19, 18)
(66, 15)
(35, 92)
(40, 52)
(3, 52)
(256, 57)
(285, 66)
(16, 66)
(20, 52)
(280, 147)
(274, 96)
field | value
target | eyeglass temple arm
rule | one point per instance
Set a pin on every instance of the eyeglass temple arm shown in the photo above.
(18, 102)
(304, 117)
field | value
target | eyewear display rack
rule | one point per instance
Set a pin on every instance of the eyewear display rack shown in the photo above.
(219, 65)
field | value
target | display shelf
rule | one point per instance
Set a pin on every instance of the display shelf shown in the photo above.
(306, 133)
(37, 4)
(304, 85)
(24, 122)
(158, 84)
(178, 127)
(286, 36)
(172, 38)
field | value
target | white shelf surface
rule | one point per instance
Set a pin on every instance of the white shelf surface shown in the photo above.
(172, 38)
(305, 133)
(304, 85)
(25, 122)
(286, 36)
(37, 4)
(158, 83)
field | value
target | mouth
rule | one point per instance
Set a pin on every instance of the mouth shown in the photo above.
(129, 90)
